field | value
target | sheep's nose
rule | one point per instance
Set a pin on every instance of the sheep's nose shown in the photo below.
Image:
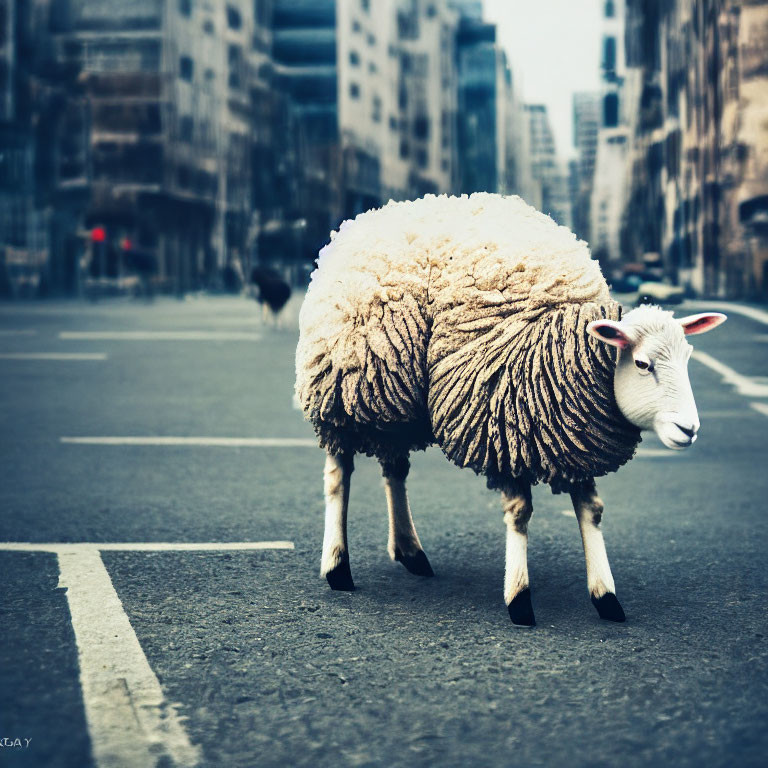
(689, 431)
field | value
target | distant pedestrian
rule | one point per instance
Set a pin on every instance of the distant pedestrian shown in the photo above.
(273, 291)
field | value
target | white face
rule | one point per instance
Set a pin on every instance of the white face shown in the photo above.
(651, 383)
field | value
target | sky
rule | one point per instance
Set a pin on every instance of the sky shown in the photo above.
(553, 46)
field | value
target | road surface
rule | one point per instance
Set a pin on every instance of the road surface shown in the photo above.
(244, 657)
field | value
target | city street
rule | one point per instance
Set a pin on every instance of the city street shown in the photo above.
(258, 662)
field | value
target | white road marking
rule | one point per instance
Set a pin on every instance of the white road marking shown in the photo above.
(214, 442)
(65, 356)
(143, 546)
(18, 332)
(130, 723)
(159, 336)
(760, 315)
(656, 453)
(568, 512)
(743, 384)
(761, 408)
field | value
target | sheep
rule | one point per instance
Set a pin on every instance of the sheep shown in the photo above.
(478, 324)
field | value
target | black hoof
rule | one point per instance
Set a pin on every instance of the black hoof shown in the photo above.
(341, 577)
(609, 607)
(416, 564)
(521, 610)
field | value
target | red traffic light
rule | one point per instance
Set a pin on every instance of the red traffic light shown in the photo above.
(127, 244)
(98, 234)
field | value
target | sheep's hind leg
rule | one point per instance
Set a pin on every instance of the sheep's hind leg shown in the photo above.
(589, 511)
(335, 563)
(518, 507)
(404, 545)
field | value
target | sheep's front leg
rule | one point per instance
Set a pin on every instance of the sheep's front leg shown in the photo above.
(517, 505)
(403, 544)
(589, 511)
(335, 563)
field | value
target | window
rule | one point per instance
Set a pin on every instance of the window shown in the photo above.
(372, 68)
(186, 127)
(235, 58)
(209, 74)
(208, 27)
(422, 159)
(609, 54)
(404, 148)
(234, 20)
(365, 5)
(356, 26)
(185, 8)
(392, 123)
(354, 58)
(371, 39)
(421, 127)
(609, 9)
(354, 90)
(186, 68)
(611, 110)
(376, 113)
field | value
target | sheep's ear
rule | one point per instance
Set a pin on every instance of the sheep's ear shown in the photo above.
(702, 323)
(611, 332)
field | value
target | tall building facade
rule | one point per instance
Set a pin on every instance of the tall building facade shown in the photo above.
(545, 169)
(586, 123)
(609, 187)
(698, 192)
(198, 137)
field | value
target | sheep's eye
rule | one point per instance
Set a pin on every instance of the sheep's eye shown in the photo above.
(644, 365)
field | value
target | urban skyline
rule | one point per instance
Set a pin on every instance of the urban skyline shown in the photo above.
(199, 138)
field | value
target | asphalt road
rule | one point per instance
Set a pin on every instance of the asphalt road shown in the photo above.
(267, 667)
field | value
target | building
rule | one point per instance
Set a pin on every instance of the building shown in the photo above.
(609, 187)
(29, 89)
(698, 175)
(545, 169)
(586, 123)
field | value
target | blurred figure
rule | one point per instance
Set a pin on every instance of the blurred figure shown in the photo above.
(273, 291)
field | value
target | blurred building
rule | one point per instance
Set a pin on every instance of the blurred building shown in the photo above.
(428, 96)
(545, 169)
(696, 90)
(31, 91)
(190, 139)
(586, 123)
(610, 174)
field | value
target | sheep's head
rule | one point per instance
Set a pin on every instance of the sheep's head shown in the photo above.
(651, 382)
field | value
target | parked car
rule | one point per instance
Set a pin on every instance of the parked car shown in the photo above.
(659, 293)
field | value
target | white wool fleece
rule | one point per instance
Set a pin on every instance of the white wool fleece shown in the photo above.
(462, 320)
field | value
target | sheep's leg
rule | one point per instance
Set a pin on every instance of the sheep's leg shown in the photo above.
(517, 505)
(589, 511)
(335, 563)
(404, 545)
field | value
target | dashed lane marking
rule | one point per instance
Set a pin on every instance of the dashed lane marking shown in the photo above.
(159, 336)
(743, 384)
(130, 723)
(761, 408)
(213, 442)
(63, 356)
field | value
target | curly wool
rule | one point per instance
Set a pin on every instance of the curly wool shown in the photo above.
(462, 321)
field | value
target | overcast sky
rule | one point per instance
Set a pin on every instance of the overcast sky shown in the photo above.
(553, 46)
